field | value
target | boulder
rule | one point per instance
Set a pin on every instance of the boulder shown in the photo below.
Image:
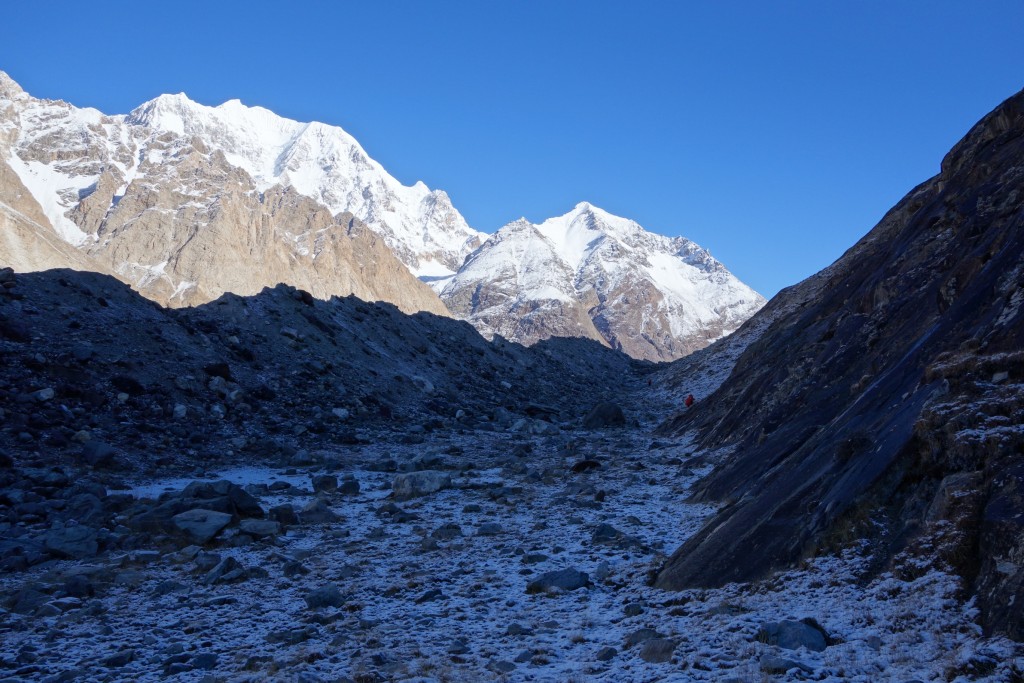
(770, 664)
(324, 483)
(657, 650)
(792, 635)
(201, 525)
(414, 484)
(568, 579)
(325, 596)
(99, 454)
(259, 528)
(74, 542)
(603, 415)
(317, 511)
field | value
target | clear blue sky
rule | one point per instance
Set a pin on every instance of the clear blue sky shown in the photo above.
(773, 133)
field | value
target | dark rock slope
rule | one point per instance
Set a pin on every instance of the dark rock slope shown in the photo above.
(94, 374)
(884, 401)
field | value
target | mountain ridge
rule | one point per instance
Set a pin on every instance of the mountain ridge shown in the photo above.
(186, 201)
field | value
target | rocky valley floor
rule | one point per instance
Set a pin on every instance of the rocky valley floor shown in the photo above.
(392, 580)
(282, 489)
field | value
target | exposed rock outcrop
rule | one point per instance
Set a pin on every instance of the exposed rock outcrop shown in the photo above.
(883, 401)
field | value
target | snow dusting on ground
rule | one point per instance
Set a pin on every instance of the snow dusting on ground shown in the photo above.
(438, 592)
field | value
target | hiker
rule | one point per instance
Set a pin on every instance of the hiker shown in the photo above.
(689, 401)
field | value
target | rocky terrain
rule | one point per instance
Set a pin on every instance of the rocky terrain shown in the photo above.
(882, 401)
(289, 486)
(591, 274)
(280, 488)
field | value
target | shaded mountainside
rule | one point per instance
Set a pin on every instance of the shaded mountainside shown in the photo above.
(884, 400)
(263, 375)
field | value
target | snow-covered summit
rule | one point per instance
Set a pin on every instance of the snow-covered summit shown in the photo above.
(329, 165)
(605, 277)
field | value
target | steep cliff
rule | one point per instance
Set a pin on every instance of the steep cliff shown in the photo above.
(883, 401)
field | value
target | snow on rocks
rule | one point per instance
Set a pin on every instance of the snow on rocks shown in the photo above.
(436, 587)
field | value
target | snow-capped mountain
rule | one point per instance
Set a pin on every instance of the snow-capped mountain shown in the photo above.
(186, 202)
(589, 273)
(327, 164)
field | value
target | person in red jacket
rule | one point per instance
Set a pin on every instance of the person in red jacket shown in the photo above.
(689, 401)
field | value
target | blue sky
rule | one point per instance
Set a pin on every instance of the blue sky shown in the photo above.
(773, 133)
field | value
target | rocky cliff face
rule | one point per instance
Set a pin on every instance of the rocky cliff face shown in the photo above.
(172, 215)
(591, 274)
(882, 404)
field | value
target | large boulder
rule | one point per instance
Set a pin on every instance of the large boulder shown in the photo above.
(201, 525)
(603, 415)
(568, 579)
(414, 484)
(74, 542)
(793, 635)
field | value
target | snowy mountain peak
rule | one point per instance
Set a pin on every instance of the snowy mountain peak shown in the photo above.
(327, 164)
(591, 273)
(9, 89)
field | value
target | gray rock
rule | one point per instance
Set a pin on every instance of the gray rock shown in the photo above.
(201, 525)
(74, 542)
(447, 531)
(657, 650)
(43, 394)
(325, 596)
(317, 511)
(414, 484)
(27, 601)
(771, 664)
(569, 579)
(606, 654)
(284, 514)
(605, 414)
(227, 570)
(348, 487)
(98, 454)
(489, 529)
(642, 636)
(325, 483)
(259, 528)
(204, 661)
(792, 635)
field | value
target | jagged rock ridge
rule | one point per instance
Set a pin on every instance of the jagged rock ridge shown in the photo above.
(883, 402)
(591, 274)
